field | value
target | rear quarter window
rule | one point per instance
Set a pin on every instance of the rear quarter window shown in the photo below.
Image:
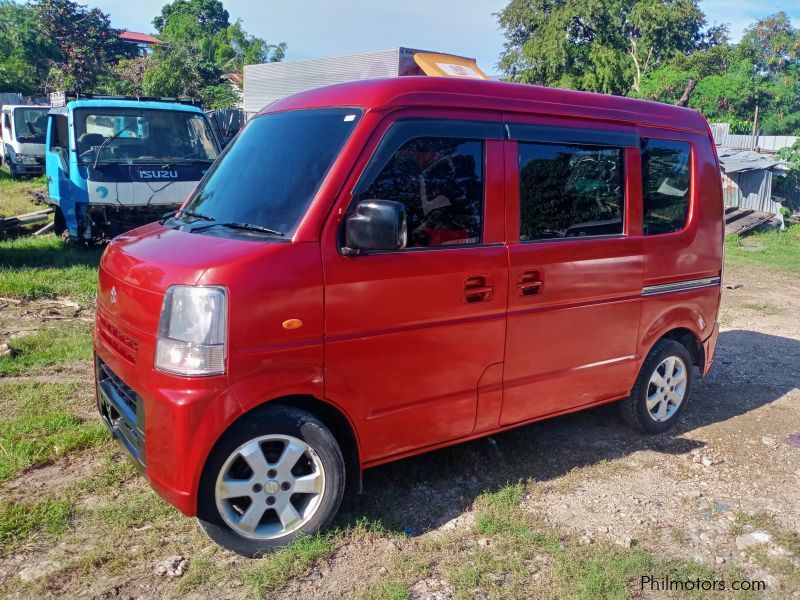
(665, 182)
(570, 191)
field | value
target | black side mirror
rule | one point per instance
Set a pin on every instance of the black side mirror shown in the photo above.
(375, 225)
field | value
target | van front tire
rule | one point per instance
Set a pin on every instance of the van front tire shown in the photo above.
(275, 475)
(662, 389)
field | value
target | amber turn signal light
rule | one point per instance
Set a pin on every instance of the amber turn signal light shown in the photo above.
(292, 324)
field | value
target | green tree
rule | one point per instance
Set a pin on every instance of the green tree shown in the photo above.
(608, 46)
(236, 48)
(25, 52)
(201, 47)
(126, 78)
(210, 16)
(86, 42)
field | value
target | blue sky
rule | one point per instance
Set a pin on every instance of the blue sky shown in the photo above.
(314, 28)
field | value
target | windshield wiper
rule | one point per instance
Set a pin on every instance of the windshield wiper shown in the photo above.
(185, 159)
(196, 215)
(242, 226)
(107, 141)
(186, 211)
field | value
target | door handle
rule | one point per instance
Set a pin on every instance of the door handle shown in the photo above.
(478, 289)
(529, 283)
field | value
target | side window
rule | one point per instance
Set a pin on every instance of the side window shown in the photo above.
(60, 137)
(665, 183)
(59, 140)
(570, 191)
(440, 182)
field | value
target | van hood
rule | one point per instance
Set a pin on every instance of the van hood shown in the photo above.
(139, 266)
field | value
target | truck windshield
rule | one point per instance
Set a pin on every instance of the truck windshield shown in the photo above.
(268, 176)
(30, 125)
(142, 136)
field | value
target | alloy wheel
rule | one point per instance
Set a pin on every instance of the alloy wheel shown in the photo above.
(270, 486)
(666, 389)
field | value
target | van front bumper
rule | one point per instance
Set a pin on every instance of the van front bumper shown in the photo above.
(166, 424)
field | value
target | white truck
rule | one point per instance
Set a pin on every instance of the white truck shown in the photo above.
(22, 138)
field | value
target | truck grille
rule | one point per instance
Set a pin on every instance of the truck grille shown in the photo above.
(125, 346)
(122, 411)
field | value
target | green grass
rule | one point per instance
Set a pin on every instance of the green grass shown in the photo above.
(18, 521)
(132, 509)
(201, 572)
(778, 250)
(43, 267)
(37, 426)
(49, 346)
(516, 546)
(763, 308)
(386, 590)
(273, 571)
(114, 470)
(15, 195)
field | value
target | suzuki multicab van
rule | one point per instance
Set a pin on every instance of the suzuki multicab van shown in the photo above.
(377, 269)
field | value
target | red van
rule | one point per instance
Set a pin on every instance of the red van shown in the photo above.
(380, 268)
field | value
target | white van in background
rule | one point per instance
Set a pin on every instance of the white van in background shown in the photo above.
(22, 138)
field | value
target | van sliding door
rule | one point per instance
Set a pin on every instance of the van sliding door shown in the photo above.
(575, 252)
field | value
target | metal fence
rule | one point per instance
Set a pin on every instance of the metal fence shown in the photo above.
(765, 143)
(11, 98)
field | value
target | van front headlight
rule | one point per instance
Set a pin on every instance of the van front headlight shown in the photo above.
(192, 331)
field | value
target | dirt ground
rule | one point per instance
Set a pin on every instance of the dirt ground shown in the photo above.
(706, 491)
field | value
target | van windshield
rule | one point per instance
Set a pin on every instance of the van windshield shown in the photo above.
(270, 173)
(142, 136)
(30, 125)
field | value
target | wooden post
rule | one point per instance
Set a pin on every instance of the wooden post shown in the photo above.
(755, 130)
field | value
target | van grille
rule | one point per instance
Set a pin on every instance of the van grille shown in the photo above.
(125, 346)
(122, 411)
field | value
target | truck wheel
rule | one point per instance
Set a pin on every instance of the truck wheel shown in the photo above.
(662, 389)
(12, 170)
(275, 475)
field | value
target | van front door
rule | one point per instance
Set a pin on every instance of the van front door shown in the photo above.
(576, 267)
(414, 336)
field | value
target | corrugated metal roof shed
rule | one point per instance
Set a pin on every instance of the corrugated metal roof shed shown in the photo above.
(734, 161)
(747, 181)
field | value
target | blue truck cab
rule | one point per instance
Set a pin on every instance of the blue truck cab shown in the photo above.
(114, 163)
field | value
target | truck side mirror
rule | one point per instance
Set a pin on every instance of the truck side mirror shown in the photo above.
(375, 225)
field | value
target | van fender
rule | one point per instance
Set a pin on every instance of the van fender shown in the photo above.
(254, 393)
(678, 317)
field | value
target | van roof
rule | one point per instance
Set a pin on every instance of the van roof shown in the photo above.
(396, 92)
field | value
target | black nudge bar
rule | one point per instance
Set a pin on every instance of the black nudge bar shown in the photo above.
(122, 411)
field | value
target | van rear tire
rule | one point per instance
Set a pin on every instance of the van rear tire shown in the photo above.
(290, 474)
(662, 390)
